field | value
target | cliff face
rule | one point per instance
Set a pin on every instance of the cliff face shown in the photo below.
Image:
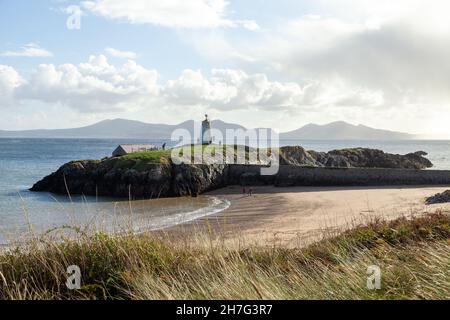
(151, 177)
(104, 178)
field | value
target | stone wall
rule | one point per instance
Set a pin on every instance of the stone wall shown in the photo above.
(306, 176)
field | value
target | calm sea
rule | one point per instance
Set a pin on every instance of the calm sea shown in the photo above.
(25, 161)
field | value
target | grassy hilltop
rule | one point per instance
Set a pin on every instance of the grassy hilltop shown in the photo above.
(140, 161)
(413, 255)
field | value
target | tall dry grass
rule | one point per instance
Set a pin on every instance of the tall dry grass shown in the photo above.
(413, 255)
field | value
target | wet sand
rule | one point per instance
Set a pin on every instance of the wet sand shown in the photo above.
(296, 216)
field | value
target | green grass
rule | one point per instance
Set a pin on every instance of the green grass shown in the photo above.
(139, 161)
(142, 161)
(414, 257)
(148, 156)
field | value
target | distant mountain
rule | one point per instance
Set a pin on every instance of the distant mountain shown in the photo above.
(116, 129)
(343, 131)
(130, 129)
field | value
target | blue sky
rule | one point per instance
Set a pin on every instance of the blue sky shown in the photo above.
(44, 22)
(280, 64)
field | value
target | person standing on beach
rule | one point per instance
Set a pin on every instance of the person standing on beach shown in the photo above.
(243, 191)
(250, 192)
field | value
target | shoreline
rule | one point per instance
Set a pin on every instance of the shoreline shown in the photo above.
(297, 216)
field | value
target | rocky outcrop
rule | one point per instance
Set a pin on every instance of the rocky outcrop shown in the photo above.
(114, 178)
(139, 178)
(196, 179)
(297, 156)
(443, 197)
(105, 178)
(354, 158)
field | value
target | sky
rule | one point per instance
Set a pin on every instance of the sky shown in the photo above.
(260, 63)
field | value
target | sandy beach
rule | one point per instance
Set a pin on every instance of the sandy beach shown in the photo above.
(295, 216)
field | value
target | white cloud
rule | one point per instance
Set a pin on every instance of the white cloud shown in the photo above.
(228, 89)
(30, 50)
(168, 13)
(404, 61)
(94, 86)
(247, 24)
(10, 80)
(231, 89)
(121, 54)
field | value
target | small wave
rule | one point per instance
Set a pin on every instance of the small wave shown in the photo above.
(217, 206)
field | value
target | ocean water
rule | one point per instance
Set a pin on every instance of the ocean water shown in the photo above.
(24, 213)
(25, 161)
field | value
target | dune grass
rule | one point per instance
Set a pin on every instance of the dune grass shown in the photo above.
(413, 255)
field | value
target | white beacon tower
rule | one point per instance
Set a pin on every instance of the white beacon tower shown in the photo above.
(206, 131)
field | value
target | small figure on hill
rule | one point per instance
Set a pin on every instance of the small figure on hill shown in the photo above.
(164, 146)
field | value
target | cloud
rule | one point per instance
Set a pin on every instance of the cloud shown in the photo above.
(231, 89)
(30, 50)
(168, 13)
(94, 86)
(247, 24)
(10, 80)
(407, 63)
(387, 54)
(97, 86)
(121, 54)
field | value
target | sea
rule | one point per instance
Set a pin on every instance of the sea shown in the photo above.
(25, 214)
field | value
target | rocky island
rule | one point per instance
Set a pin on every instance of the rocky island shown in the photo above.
(152, 174)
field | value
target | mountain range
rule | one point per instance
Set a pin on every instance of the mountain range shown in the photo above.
(131, 129)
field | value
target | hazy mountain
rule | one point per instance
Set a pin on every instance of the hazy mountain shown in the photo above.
(117, 128)
(121, 128)
(343, 131)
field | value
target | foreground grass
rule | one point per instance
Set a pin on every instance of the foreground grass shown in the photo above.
(413, 255)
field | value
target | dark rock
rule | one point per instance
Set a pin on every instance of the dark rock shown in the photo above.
(297, 156)
(338, 161)
(443, 197)
(353, 158)
(103, 179)
(196, 179)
